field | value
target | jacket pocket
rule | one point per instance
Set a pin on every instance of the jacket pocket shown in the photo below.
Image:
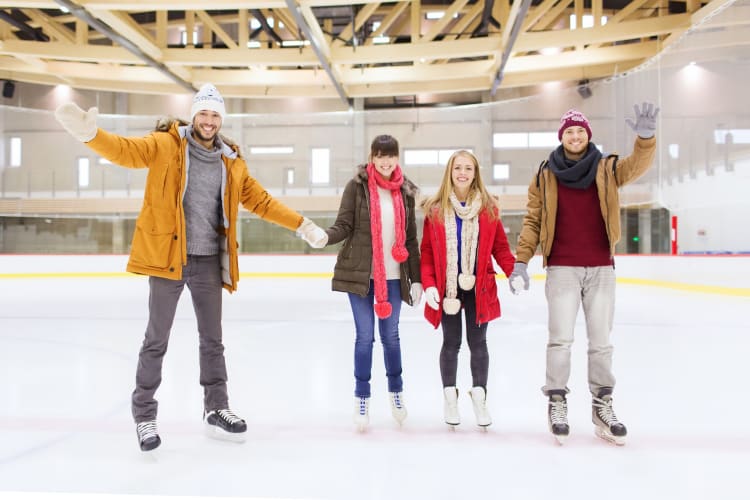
(154, 238)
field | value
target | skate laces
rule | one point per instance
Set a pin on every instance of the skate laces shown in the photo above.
(228, 416)
(558, 411)
(396, 400)
(147, 430)
(604, 411)
(363, 406)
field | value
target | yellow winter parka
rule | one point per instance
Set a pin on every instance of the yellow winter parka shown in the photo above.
(159, 247)
(541, 209)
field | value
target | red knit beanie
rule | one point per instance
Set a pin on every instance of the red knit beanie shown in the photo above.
(573, 118)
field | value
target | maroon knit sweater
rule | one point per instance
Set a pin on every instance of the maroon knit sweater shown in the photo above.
(580, 235)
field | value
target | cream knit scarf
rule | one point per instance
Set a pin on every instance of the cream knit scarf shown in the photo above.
(469, 238)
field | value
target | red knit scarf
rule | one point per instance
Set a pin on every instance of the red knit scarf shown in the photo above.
(399, 252)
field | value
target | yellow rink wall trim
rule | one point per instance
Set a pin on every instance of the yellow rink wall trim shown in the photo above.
(686, 287)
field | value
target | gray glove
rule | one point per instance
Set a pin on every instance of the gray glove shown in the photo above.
(645, 120)
(79, 123)
(518, 275)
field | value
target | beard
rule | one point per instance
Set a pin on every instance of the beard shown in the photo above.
(201, 136)
(578, 149)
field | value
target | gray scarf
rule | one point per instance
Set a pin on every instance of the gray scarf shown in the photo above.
(578, 174)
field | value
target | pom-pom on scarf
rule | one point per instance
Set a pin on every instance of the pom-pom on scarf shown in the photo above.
(399, 252)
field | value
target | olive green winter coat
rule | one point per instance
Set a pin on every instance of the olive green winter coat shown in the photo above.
(353, 268)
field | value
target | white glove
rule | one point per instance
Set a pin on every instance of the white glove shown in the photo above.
(312, 234)
(432, 298)
(416, 294)
(518, 278)
(79, 123)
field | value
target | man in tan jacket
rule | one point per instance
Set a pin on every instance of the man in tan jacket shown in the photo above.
(573, 214)
(186, 234)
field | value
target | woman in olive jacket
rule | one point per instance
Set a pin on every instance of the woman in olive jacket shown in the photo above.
(377, 266)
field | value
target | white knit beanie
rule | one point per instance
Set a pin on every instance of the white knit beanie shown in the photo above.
(208, 98)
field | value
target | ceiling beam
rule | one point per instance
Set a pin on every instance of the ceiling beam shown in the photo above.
(98, 25)
(309, 26)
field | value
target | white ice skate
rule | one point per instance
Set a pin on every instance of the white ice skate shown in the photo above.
(398, 408)
(361, 413)
(450, 407)
(479, 402)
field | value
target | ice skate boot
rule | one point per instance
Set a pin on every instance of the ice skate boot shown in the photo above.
(606, 425)
(557, 415)
(361, 413)
(479, 402)
(398, 408)
(148, 436)
(450, 406)
(225, 425)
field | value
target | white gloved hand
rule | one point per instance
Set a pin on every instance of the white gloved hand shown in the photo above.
(416, 294)
(312, 234)
(432, 297)
(79, 123)
(518, 278)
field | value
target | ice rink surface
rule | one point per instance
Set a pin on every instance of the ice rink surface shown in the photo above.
(68, 351)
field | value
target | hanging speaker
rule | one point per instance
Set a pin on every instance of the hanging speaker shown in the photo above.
(9, 89)
(584, 90)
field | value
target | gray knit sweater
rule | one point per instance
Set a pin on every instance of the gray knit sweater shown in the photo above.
(202, 198)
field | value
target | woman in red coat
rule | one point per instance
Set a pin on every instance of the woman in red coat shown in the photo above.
(462, 229)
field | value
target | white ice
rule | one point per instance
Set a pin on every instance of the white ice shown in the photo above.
(68, 351)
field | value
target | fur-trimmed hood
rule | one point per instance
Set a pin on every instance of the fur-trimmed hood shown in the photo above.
(408, 186)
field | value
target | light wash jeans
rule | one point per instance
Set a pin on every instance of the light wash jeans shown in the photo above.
(568, 287)
(364, 322)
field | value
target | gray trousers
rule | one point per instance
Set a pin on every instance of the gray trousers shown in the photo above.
(202, 275)
(567, 288)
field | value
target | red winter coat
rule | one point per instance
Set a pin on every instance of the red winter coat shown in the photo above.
(492, 241)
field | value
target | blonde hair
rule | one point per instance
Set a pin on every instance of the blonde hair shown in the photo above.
(436, 205)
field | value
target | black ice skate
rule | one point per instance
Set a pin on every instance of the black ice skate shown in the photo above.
(606, 425)
(148, 436)
(557, 415)
(224, 424)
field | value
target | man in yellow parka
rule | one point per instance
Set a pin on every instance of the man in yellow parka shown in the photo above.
(186, 234)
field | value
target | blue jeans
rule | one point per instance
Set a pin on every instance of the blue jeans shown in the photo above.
(364, 322)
